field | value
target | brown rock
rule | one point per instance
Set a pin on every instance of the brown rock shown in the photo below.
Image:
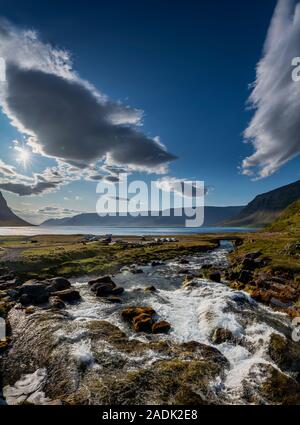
(129, 313)
(68, 295)
(161, 327)
(143, 324)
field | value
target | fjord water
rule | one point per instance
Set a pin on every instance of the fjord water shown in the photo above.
(121, 231)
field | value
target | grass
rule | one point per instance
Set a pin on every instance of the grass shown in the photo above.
(65, 256)
(280, 242)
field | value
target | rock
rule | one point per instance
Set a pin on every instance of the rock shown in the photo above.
(184, 261)
(261, 296)
(221, 335)
(161, 327)
(156, 263)
(130, 312)
(142, 323)
(150, 289)
(136, 271)
(25, 299)
(245, 276)
(276, 387)
(248, 264)
(215, 277)
(57, 303)
(277, 303)
(285, 353)
(29, 310)
(118, 290)
(102, 279)
(105, 286)
(68, 295)
(57, 284)
(253, 255)
(113, 299)
(37, 292)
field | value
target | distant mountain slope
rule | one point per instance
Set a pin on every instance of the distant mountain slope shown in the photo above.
(288, 221)
(213, 215)
(7, 217)
(266, 207)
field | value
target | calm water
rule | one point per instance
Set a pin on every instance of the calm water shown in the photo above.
(122, 231)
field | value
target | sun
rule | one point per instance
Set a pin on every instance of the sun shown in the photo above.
(23, 156)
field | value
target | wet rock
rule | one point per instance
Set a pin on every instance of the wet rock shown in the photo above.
(35, 291)
(184, 261)
(101, 279)
(57, 303)
(29, 310)
(68, 295)
(25, 300)
(130, 312)
(136, 271)
(285, 353)
(245, 276)
(118, 290)
(57, 284)
(103, 286)
(161, 327)
(275, 387)
(142, 323)
(221, 335)
(150, 289)
(215, 276)
(156, 263)
(114, 300)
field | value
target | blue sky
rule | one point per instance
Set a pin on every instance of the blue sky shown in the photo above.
(186, 65)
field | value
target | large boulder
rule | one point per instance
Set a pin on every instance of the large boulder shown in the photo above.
(57, 284)
(101, 279)
(130, 312)
(34, 292)
(285, 353)
(68, 295)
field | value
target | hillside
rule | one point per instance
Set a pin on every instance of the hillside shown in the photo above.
(7, 217)
(266, 207)
(212, 216)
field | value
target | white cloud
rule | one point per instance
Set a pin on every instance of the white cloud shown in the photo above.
(274, 129)
(65, 117)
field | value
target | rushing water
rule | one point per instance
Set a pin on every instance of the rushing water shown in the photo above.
(122, 231)
(193, 313)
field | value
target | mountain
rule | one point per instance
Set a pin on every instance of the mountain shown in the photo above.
(7, 217)
(212, 216)
(266, 207)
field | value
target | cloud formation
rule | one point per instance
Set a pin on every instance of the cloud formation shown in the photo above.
(65, 117)
(274, 129)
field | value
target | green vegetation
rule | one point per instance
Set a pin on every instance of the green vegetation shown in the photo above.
(48, 256)
(278, 248)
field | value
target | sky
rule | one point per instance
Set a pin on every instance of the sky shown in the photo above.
(166, 91)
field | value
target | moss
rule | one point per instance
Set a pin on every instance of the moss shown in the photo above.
(279, 388)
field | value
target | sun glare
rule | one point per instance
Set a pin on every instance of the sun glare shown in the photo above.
(23, 157)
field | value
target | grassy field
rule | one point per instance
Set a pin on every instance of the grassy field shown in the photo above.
(57, 255)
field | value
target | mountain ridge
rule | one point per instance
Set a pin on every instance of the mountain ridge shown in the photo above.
(266, 207)
(212, 216)
(8, 217)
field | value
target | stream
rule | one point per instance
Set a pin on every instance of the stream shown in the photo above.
(194, 313)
